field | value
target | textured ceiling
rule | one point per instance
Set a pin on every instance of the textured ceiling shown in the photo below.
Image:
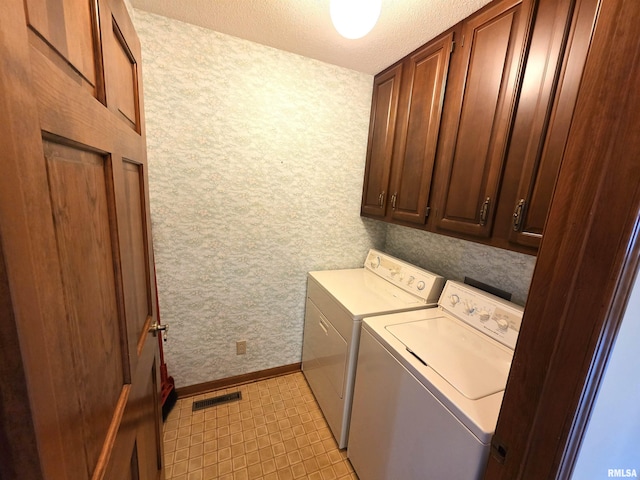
(304, 26)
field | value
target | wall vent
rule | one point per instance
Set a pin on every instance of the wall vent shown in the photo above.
(212, 402)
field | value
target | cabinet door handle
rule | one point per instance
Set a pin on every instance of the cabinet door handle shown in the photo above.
(484, 210)
(393, 200)
(323, 327)
(517, 215)
(381, 199)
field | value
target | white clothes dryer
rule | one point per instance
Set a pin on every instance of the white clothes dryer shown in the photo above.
(337, 301)
(429, 387)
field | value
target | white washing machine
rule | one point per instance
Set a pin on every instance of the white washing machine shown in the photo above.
(429, 387)
(337, 301)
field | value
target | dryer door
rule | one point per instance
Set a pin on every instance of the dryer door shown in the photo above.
(324, 361)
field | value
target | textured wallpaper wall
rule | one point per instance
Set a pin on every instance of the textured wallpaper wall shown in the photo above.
(454, 259)
(256, 159)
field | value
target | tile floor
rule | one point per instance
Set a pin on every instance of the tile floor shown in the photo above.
(275, 432)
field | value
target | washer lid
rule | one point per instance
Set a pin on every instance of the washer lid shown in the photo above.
(472, 363)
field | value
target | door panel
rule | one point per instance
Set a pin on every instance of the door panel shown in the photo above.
(136, 276)
(486, 74)
(555, 105)
(148, 436)
(68, 27)
(76, 235)
(123, 77)
(382, 128)
(488, 67)
(81, 205)
(422, 102)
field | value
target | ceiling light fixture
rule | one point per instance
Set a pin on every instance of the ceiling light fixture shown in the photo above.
(354, 18)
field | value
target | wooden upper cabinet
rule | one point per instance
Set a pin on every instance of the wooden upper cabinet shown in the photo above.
(486, 69)
(403, 134)
(420, 112)
(544, 113)
(468, 132)
(384, 108)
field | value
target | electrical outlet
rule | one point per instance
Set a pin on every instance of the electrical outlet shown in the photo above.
(241, 347)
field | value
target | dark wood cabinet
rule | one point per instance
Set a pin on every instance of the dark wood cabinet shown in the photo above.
(421, 102)
(481, 95)
(405, 123)
(384, 108)
(546, 107)
(469, 143)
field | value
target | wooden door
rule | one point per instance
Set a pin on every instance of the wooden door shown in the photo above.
(486, 68)
(384, 109)
(76, 245)
(422, 98)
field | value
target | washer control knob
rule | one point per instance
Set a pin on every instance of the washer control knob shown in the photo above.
(454, 300)
(484, 315)
(502, 324)
(375, 263)
(421, 285)
(469, 309)
(411, 280)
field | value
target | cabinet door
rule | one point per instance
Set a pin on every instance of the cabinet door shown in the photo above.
(486, 69)
(422, 97)
(384, 108)
(546, 134)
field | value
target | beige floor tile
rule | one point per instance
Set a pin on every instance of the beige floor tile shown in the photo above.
(196, 475)
(276, 431)
(195, 464)
(210, 446)
(180, 468)
(285, 474)
(294, 457)
(225, 467)
(210, 459)
(210, 472)
(197, 428)
(237, 449)
(254, 472)
(181, 455)
(224, 442)
(169, 446)
(268, 466)
(239, 463)
(250, 445)
(323, 460)
(196, 450)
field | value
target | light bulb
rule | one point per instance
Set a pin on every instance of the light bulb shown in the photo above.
(354, 18)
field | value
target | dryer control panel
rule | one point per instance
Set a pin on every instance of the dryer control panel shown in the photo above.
(487, 313)
(412, 279)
